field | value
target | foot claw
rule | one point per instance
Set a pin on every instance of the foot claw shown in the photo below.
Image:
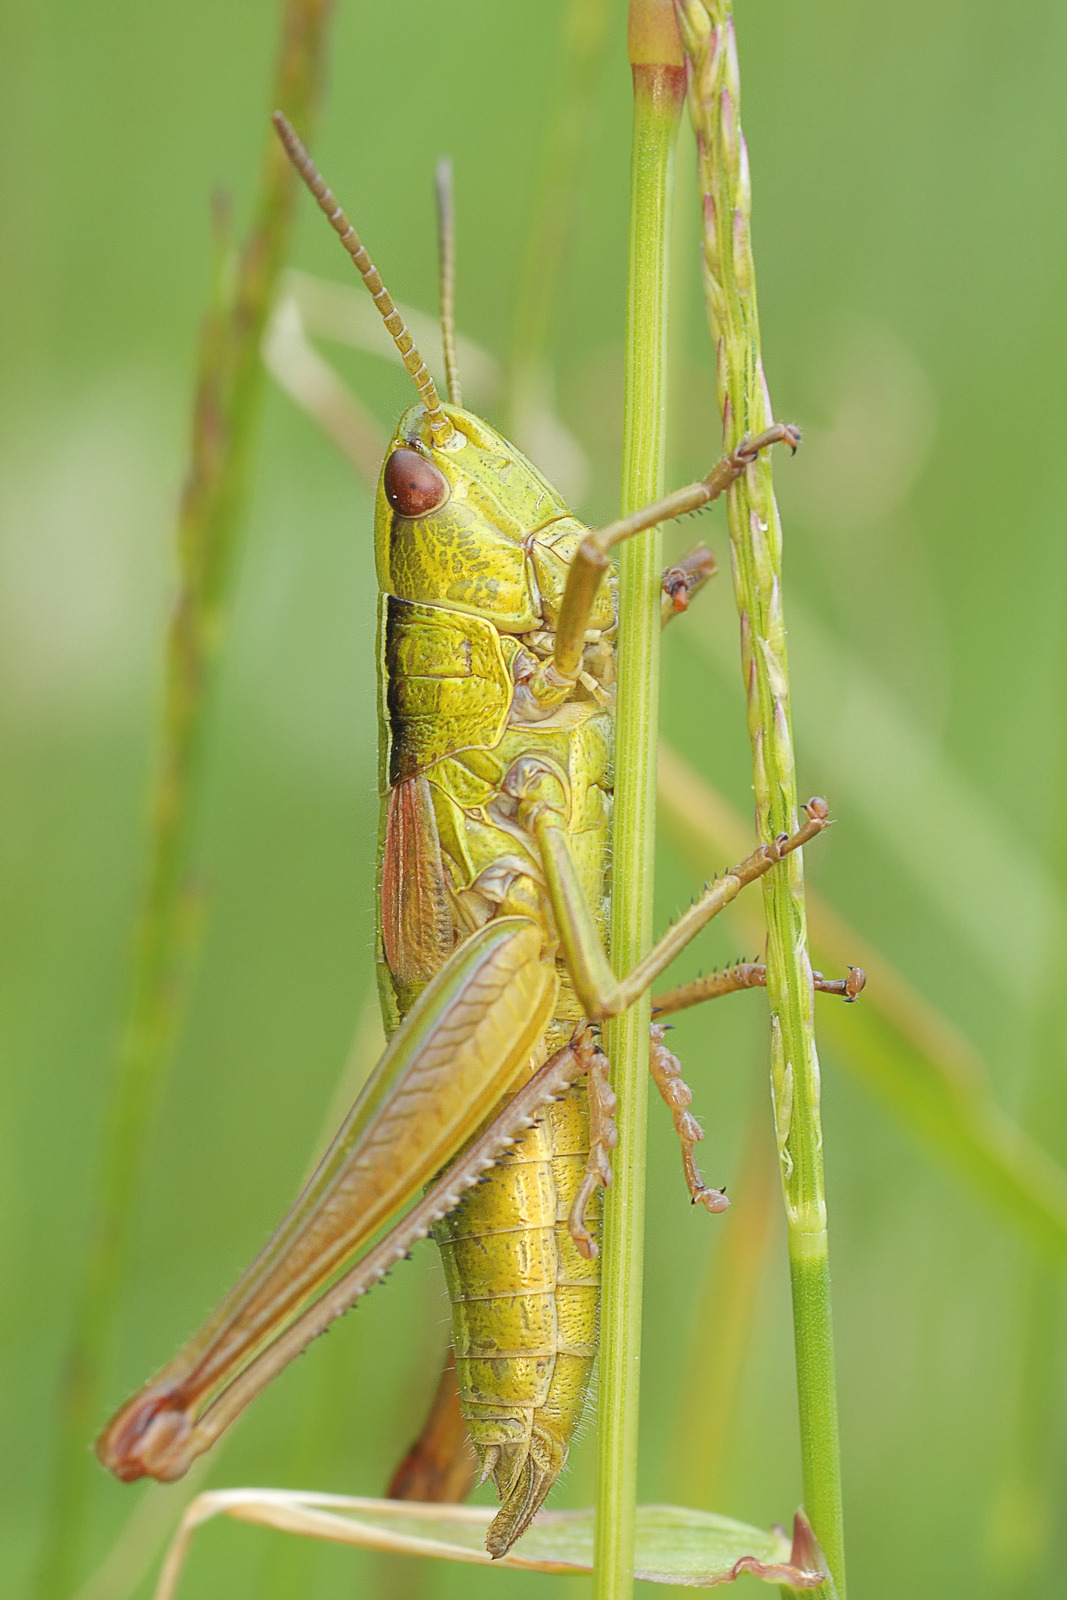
(855, 983)
(713, 1200)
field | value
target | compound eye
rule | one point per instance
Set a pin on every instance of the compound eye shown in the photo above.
(413, 485)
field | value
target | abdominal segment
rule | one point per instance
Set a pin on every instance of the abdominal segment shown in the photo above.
(524, 1312)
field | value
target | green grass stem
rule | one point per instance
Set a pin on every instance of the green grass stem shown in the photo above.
(755, 539)
(226, 407)
(658, 96)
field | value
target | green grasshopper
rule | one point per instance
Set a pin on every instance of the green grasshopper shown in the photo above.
(496, 662)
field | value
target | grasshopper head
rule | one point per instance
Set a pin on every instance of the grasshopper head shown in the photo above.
(453, 524)
(458, 506)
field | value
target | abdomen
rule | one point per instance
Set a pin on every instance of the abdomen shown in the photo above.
(524, 1308)
(524, 1302)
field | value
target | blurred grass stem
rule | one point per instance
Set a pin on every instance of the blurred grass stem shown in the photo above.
(1023, 1525)
(585, 28)
(727, 1301)
(659, 87)
(226, 408)
(755, 540)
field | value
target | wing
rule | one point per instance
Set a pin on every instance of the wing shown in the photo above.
(417, 930)
(459, 1050)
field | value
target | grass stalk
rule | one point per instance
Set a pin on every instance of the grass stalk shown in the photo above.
(755, 539)
(659, 86)
(225, 411)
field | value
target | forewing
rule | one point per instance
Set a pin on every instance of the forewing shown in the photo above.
(460, 1049)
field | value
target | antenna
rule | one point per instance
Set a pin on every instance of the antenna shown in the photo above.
(446, 232)
(444, 434)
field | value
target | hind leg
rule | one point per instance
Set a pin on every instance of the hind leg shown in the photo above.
(666, 1072)
(666, 1069)
(440, 1465)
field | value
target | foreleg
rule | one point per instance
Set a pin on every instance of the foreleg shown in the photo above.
(553, 681)
(685, 579)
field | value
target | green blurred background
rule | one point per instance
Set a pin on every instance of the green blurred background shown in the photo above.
(910, 236)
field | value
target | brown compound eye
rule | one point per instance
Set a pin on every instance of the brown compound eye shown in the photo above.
(413, 485)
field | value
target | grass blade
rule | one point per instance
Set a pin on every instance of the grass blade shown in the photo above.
(694, 1549)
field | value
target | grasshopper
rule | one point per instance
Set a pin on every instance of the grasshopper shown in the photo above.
(496, 653)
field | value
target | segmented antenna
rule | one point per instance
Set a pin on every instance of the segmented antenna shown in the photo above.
(446, 231)
(444, 434)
